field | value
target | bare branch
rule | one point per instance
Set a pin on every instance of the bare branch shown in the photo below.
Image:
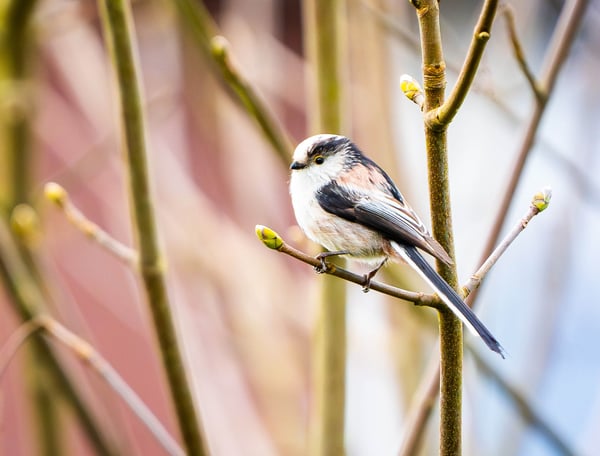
(59, 196)
(446, 112)
(90, 356)
(509, 14)
(540, 202)
(272, 240)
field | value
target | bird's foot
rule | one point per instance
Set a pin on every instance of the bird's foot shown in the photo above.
(369, 276)
(366, 286)
(324, 266)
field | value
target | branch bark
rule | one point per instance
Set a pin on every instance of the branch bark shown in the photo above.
(323, 43)
(118, 27)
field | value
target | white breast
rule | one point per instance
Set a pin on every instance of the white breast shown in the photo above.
(328, 230)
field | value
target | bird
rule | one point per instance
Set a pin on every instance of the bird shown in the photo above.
(348, 204)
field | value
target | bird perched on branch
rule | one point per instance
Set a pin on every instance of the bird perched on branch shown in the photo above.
(348, 204)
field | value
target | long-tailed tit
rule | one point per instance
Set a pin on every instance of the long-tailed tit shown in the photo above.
(348, 204)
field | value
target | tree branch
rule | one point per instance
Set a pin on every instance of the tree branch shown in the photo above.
(446, 112)
(509, 13)
(117, 25)
(28, 301)
(323, 43)
(206, 35)
(59, 196)
(272, 240)
(430, 389)
(562, 38)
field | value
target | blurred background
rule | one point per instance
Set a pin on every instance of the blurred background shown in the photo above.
(245, 313)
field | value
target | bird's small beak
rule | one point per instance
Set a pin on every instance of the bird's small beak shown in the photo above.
(297, 165)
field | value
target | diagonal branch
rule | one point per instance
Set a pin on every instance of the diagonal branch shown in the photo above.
(59, 196)
(481, 35)
(272, 240)
(509, 14)
(89, 355)
(562, 38)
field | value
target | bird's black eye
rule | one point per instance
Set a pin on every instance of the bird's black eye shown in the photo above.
(319, 159)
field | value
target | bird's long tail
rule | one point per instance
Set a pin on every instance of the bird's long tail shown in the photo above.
(447, 294)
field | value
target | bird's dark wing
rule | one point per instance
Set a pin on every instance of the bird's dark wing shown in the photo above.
(383, 213)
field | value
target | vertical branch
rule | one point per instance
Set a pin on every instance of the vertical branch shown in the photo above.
(117, 24)
(18, 269)
(434, 84)
(323, 48)
(16, 116)
(16, 106)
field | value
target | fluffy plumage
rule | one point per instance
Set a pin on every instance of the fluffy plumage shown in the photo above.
(348, 204)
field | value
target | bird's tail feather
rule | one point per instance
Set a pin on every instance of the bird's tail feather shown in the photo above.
(448, 295)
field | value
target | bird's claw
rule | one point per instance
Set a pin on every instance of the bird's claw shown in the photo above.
(324, 266)
(366, 286)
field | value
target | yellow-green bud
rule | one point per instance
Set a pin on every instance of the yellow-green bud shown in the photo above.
(269, 237)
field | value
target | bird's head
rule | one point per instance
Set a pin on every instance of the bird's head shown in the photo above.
(322, 158)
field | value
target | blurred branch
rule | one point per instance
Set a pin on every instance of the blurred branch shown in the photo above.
(16, 50)
(27, 298)
(509, 13)
(562, 38)
(323, 43)
(20, 273)
(418, 416)
(249, 98)
(525, 409)
(272, 240)
(118, 27)
(59, 196)
(206, 35)
(446, 112)
(90, 356)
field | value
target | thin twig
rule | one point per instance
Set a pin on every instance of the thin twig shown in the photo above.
(14, 343)
(509, 13)
(272, 240)
(206, 36)
(419, 415)
(562, 38)
(118, 28)
(250, 99)
(89, 355)
(525, 408)
(59, 196)
(446, 112)
(28, 300)
(539, 203)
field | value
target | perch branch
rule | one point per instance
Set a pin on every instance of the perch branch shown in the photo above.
(272, 240)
